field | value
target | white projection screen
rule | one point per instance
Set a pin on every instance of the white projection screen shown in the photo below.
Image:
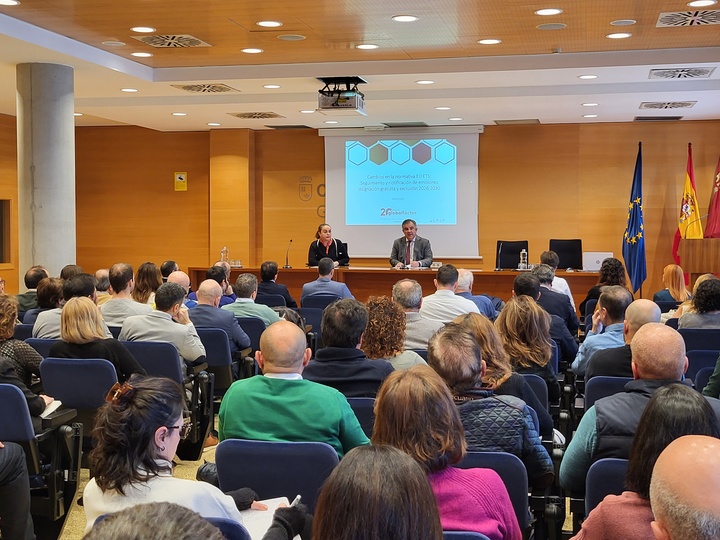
(374, 182)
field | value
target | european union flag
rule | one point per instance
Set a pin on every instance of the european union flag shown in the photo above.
(634, 239)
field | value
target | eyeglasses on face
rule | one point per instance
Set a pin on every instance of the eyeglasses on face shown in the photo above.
(184, 428)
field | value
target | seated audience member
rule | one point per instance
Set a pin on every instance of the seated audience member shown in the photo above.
(683, 490)
(324, 284)
(49, 296)
(616, 361)
(612, 272)
(687, 305)
(135, 438)
(47, 324)
(411, 251)
(529, 285)
(168, 322)
(673, 411)
(385, 333)
(267, 285)
(70, 270)
(554, 302)
(245, 287)
(280, 406)
(24, 359)
(28, 299)
(706, 307)
(341, 364)
(674, 281)
(36, 403)
(499, 376)
(122, 305)
(407, 293)
(444, 305)
(524, 328)
(102, 285)
(15, 519)
(182, 279)
(147, 281)
(607, 326)
(83, 336)
(167, 268)
(492, 423)
(464, 289)
(327, 246)
(415, 413)
(607, 428)
(220, 272)
(208, 315)
(558, 284)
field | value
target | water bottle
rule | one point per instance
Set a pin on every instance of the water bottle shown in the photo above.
(224, 254)
(523, 260)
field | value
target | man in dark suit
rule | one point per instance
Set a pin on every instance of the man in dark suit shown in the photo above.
(554, 302)
(268, 275)
(411, 250)
(207, 314)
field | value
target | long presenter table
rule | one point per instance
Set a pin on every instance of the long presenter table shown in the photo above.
(364, 282)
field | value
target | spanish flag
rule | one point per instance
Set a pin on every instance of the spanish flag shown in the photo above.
(689, 225)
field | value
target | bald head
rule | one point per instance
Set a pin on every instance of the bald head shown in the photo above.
(639, 313)
(658, 353)
(209, 293)
(408, 293)
(181, 278)
(684, 487)
(283, 349)
(225, 266)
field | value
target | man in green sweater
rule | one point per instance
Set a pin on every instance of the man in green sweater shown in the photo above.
(281, 406)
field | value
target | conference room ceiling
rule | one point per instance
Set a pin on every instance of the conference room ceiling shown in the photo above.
(531, 75)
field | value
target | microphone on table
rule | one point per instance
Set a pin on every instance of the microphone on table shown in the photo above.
(497, 268)
(287, 255)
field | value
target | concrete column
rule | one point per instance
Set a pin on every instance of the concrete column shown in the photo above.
(46, 166)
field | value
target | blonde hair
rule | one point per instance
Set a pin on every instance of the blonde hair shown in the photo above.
(8, 316)
(674, 282)
(498, 368)
(81, 321)
(525, 331)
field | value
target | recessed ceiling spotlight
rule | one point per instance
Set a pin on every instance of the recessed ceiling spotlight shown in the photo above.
(489, 41)
(442, 108)
(619, 35)
(454, 118)
(587, 77)
(128, 90)
(252, 50)
(109, 43)
(548, 11)
(271, 86)
(367, 46)
(9, 3)
(694, 3)
(179, 114)
(590, 115)
(589, 104)
(74, 114)
(307, 111)
(424, 82)
(291, 37)
(141, 54)
(269, 24)
(623, 22)
(143, 29)
(331, 121)
(404, 18)
(213, 124)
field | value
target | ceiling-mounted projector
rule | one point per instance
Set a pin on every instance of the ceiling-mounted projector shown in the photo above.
(341, 97)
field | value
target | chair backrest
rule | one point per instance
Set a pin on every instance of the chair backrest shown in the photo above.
(605, 477)
(702, 377)
(554, 356)
(507, 253)
(22, 331)
(697, 339)
(158, 358)
(217, 356)
(666, 306)
(320, 301)
(539, 387)
(463, 535)
(672, 322)
(513, 474)
(422, 353)
(42, 346)
(312, 316)
(254, 328)
(271, 300)
(231, 530)
(700, 359)
(115, 331)
(275, 469)
(78, 383)
(602, 386)
(15, 422)
(363, 409)
(568, 251)
(589, 310)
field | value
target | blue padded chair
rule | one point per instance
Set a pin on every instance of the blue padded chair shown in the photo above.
(700, 359)
(218, 357)
(605, 477)
(363, 409)
(700, 339)
(672, 323)
(22, 331)
(589, 310)
(313, 317)
(320, 301)
(702, 377)
(422, 353)
(666, 306)
(78, 383)
(157, 358)
(601, 386)
(463, 535)
(115, 331)
(270, 300)
(275, 469)
(513, 474)
(254, 328)
(539, 387)
(231, 530)
(42, 346)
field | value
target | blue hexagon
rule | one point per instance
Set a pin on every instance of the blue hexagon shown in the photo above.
(357, 154)
(400, 154)
(445, 153)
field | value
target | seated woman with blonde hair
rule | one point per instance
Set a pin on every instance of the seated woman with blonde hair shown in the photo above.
(384, 336)
(674, 281)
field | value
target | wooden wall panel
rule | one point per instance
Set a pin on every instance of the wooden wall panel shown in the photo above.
(9, 271)
(127, 209)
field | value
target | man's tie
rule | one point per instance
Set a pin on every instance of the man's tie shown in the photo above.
(407, 253)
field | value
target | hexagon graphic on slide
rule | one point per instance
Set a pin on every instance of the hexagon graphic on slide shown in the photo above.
(357, 154)
(422, 153)
(400, 153)
(378, 154)
(445, 153)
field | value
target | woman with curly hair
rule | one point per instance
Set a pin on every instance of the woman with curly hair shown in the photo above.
(706, 307)
(147, 280)
(674, 281)
(384, 336)
(612, 272)
(24, 359)
(524, 328)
